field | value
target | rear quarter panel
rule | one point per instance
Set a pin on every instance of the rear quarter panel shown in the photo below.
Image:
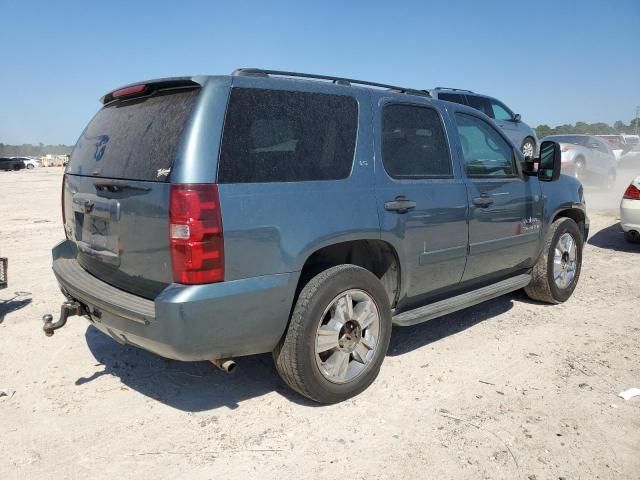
(274, 227)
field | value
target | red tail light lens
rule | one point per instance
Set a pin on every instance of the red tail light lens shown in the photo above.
(632, 193)
(195, 234)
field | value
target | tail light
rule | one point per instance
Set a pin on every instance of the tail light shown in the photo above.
(64, 217)
(632, 193)
(195, 234)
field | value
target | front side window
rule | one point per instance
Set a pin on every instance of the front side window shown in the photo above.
(413, 143)
(485, 152)
(285, 136)
(500, 111)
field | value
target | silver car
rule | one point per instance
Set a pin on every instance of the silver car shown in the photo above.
(521, 134)
(587, 158)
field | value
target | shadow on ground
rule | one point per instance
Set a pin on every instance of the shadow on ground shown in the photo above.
(11, 305)
(612, 238)
(199, 386)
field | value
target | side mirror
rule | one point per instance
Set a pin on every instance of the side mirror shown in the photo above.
(517, 117)
(549, 162)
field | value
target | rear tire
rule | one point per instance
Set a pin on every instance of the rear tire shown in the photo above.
(528, 147)
(555, 274)
(306, 357)
(632, 236)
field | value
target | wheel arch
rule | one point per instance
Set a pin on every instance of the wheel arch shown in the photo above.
(577, 215)
(377, 256)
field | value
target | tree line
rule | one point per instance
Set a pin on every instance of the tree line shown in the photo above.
(598, 128)
(29, 150)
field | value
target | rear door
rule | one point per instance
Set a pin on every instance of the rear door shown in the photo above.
(116, 191)
(505, 207)
(422, 200)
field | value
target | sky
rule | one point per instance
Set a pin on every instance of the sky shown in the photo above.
(553, 62)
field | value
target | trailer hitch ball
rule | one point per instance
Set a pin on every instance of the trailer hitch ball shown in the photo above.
(68, 309)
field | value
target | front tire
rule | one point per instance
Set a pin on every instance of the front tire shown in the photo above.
(632, 236)
(580, 169)
(338, 335)
(30, 167)
(555, 274)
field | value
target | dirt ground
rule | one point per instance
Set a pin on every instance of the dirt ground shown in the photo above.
(507, 389)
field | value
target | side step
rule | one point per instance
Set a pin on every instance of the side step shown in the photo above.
(450, 305)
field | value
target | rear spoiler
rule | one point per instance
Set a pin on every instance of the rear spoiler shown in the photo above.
(144, 89)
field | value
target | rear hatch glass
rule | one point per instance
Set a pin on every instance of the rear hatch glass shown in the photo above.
(116, 193)
(134, 139)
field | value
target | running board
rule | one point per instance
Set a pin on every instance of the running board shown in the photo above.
(450, 305)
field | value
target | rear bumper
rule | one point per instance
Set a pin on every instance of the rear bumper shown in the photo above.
(184, 322)
(630, 215)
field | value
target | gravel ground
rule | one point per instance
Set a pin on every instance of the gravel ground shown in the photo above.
(507, 389)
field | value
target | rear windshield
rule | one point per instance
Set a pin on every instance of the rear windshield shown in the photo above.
(284, 136)
(135, 139)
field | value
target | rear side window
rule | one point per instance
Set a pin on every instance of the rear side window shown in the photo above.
(451, 97)
(413, 143)
(135, 139)
(480, 103)
(284, 136)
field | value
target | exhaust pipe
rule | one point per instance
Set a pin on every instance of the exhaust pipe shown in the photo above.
(225, 364)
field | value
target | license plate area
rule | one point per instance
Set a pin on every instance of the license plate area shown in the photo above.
(96, 222)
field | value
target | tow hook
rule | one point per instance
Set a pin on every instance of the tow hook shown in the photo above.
(68, 309)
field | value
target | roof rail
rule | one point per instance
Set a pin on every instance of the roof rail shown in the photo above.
(257, 72)
(454, 89)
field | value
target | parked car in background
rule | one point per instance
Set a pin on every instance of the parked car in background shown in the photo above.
(203, 246)
(630, 212)
(521, 134)
(633, 140)
(29, 163)
(616, 143)
(11, 164)
(587, 158)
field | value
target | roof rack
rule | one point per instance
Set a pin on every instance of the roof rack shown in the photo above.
(257, 72)
(454, 89)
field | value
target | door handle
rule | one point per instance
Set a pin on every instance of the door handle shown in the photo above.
(483, 201)
(401, 205)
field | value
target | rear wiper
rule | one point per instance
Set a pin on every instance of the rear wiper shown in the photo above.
(118, 186)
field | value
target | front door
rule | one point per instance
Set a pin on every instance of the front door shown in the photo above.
(421, 197)
(505, 207)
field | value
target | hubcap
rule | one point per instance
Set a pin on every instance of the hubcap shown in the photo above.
(347, 336)
(565, 260)
(527, 149)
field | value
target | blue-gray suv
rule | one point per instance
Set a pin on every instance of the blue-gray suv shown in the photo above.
(212, 217)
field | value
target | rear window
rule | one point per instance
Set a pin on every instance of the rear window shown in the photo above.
(135, 139)
(284, 136)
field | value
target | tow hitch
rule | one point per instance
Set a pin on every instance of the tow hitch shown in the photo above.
(68, 309)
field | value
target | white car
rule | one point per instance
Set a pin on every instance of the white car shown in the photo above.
(630, 212)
